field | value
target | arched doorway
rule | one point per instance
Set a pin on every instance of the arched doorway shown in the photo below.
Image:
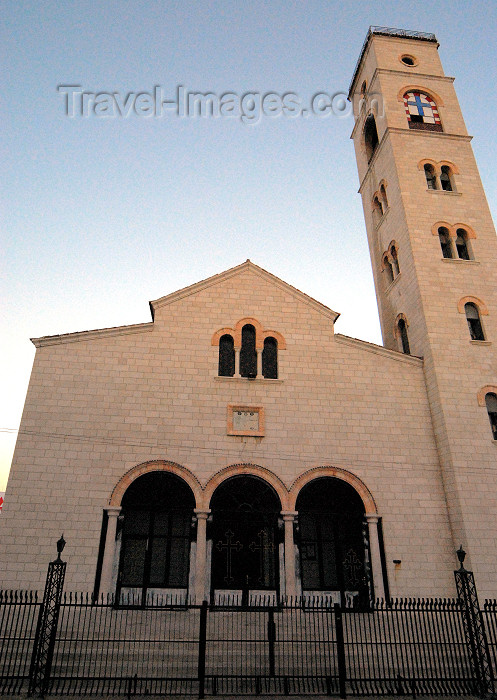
(333, 542)
(157, 510)
(245, 540)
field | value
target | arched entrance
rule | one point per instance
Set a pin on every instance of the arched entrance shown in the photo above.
(157, 510)
(245, 540)
(333, 542)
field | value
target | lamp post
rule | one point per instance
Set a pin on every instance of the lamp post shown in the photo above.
(46, 630)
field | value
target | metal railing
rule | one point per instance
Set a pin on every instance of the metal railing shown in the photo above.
(299, 646)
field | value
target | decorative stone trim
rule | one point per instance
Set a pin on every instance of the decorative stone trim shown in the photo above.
(248, 470)
(487, 389)
(337, 473)
(482, 307)
(155, 466)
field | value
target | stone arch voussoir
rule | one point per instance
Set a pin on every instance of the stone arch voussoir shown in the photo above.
(246, 470)
(337, 473)
(158, 465)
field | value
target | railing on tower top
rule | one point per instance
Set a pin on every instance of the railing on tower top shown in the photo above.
(389, 31)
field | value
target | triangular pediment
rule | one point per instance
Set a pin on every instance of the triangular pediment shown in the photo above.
(233, 272)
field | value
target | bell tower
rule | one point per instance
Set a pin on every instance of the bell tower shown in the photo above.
(434, 257)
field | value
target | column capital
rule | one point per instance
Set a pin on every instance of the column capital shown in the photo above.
(372, 517)
(113, 511)
(202, 513)
(288, 515)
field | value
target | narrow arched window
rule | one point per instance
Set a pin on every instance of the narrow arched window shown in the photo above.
(395, 260)
(445, 179)
(370, 136)
(402, 326)
(383, 195)
(377, 210)
(445, 244)
(387, 266)
(248, 353)
(363, 88)
(474, 323)
(270, 359)
(462, 244)
(431, 178)
(491, 403)
(226, 356)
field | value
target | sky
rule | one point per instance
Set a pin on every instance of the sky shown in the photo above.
(107, 209)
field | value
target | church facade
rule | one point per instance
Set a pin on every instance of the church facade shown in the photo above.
(235, 446)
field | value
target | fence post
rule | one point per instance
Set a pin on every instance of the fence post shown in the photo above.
(271, 637)
(202, 643)
(46, 629)
(473, 626)
(340, 650)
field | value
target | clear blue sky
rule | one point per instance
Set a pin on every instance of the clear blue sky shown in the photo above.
(102, 215)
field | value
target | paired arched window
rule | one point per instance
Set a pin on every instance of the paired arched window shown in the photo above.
(403, 336)
(370, 136)
(421, 111)
(455, 244)
(491, 404)
(390, 263)
(474, 321)
(439, 176)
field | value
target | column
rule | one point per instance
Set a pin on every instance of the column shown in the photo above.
(110, 550)
(374, 547)
(200, 564)
(288, 520)
(237, 362)
(259, 362)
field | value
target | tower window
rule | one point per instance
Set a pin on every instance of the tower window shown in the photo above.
(395, 260)
(491, 403)
(446, 179)
(474, 323)
(248, 353)
(387, 266)
(431, 178)
(462, 244)
(445, 244)
(370, 136)
(422, 112)
(383, 195)
(226, 356)
(404, 340)
(377, 210)
(270, 359)
(363, 88)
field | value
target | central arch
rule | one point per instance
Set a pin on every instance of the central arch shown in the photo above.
(245, 539)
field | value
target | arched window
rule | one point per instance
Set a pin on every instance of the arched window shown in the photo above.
(157, 511)
(446, 178)
(363, 88)
(248, 353)
(445, 242)
(370, 136)
(383, 195)
(395, 260)
(474, 322)
(226, 356)
(377, 210)
(333, 540)
(422, 112)
(491, 403)
(387, 266)
(431, 178)
(404, 339)
(270, 359)
(462, 244)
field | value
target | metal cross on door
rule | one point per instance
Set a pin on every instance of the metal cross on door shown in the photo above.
(230, 547)
(263, 548)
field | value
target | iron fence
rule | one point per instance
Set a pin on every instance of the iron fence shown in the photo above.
(297, 647)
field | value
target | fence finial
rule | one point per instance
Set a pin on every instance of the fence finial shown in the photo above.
(461, 555)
